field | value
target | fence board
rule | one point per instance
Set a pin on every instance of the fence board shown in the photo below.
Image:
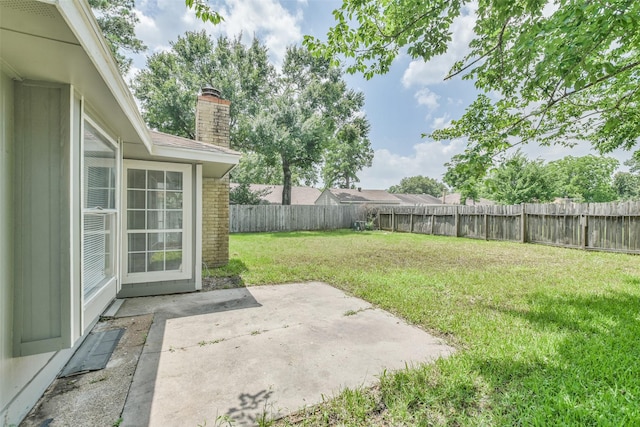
(595, 226)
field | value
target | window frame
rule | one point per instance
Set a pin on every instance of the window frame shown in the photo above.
(110, 214)
(187, 227)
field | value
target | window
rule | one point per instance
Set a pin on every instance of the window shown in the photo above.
(99, 183)
(158, 222)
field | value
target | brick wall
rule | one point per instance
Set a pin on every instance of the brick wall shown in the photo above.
(212, 126)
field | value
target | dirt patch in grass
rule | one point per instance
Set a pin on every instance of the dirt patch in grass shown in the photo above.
(215, 283)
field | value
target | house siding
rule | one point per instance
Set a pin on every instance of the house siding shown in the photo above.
(23, 378)
(326, 198)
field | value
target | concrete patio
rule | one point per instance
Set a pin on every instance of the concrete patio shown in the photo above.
(245, 353)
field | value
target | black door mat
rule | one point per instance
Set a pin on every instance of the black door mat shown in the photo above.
(94, 353)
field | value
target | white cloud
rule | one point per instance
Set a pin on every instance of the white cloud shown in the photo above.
(441, 122)
(427, 98)
(162, 21)
(582, 148)
(435, 70)
(428, 159)
(268, 19)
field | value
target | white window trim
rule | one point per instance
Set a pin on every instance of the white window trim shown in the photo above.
(187, 233)
(107, 283)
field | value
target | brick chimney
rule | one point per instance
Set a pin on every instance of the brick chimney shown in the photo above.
(212, 127)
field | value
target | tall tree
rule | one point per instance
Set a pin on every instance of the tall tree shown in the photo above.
(585, 179)
(558, 71)
(349, 151)
(166, 89)
(296, 121)
(117, 20)
(627, 185)
(520, 180)
(419, 185)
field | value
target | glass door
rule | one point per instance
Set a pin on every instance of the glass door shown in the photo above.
(158, 223)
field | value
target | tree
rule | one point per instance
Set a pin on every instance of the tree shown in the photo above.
(242, 194)
(253, 169)
(304, 116)
(167, 88)
(520, 180)
(585, 179)
(203, 11)
(350, 149)
(117, 21)
(558, 72)
(419, 185)
(627, 185)
(291, 127)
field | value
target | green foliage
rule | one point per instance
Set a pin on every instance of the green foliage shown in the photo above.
(204, 12)
(117, 21)
(544, 335)
(627, 185)
(520, 180)
(243, 195)
(167, 88)
(287, 122)
(349, 151)
(253, 169)
(419, 185)
(307, 114)
(559, 72)
(585, 179)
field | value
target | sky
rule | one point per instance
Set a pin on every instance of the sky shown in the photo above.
(412, 99)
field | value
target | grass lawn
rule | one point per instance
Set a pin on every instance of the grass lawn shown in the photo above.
(546, 336)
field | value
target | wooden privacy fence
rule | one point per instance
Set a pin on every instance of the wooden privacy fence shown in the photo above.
(265, 218)
(611, 227)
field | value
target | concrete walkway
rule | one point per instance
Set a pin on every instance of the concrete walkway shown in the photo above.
(269, 350)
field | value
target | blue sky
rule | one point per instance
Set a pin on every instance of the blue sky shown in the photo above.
(410, 100)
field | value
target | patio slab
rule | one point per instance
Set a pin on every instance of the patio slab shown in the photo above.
(269, 350)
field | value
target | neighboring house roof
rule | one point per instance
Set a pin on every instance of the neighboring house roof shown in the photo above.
(299, 195)
(454, 199)
(418, 199)
(347, 195)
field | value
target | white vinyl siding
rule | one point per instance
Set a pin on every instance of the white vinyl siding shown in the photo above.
(157, 222)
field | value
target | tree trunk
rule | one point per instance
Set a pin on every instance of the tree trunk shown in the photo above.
(286, 188)
(347, 182)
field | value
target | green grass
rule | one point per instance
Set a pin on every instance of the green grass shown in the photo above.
(545, 336)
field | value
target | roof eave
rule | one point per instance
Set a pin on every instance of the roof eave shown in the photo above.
(81, 21)
(196, 156)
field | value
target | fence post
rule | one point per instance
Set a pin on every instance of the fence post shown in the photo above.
(456, 223)
(411, 222)
(486, 226)
(393, 220)
(584, 221)
(523, 223)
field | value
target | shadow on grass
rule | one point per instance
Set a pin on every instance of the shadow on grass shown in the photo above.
(235, 267)
(590, 377)
(575, 361)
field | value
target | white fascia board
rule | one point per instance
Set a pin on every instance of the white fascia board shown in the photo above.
(81, 21)
(196, 156)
